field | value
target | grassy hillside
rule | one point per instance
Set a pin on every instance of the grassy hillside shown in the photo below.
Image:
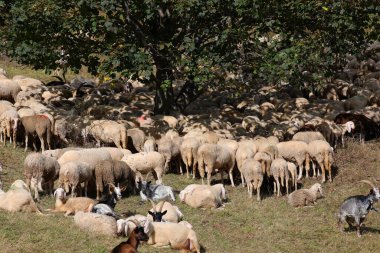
(243, 226)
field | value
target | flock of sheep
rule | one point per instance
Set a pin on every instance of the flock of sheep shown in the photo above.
(231, 142)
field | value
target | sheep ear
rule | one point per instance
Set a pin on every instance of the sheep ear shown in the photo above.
(151, 213)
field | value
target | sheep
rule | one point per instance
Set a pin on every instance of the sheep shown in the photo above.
(165, 212)
(321, 152)
(143, 163)
(253, 174)
(176, 235)
(246, 150)
(39, 124)
(265, 160)
(9, 122)
(41, 167)
(136, 139)
(112, 172)
(96, 223)
(308, 136)
(71, 205)
(295, 151)
(279, 169)
(108, 131)
(150, 144)
(171, 152)
(367, 128)
(305, 197)
(18, 200)
(155, 192)
(210, 137)
(215, 157)
(189, 150)
(126, 226)
(91, 156)
(73, 174)
(203, 196)
(57, 153)
(292, 168)
(130, 246)
(9, 89)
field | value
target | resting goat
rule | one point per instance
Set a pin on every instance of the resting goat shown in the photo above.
(165, 212)
(355, 209)
(155, 192)
(130, 246)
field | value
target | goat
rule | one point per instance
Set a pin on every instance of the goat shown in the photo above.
(130, 246)
(355, 208)
(107, 204)
(155, 192)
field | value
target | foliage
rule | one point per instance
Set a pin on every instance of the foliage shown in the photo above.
(195, 41)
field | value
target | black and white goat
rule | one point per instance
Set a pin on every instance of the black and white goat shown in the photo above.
(155, 192)
(107, 204)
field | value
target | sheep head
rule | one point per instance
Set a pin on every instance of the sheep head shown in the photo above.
(317, 188)
(349, 126)
(60, 193)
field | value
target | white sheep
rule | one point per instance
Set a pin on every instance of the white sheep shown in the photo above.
(304, 197)
(215, 157)
(96, 223)
(144, 163)
(71, 205)
(108, 131)
(73, 174)
(9, 89)
(42, 168)
(292, 168)
(308, 136)
(321, 152)
(171, 151)
(265, 160)
(246, 150)
(117, 153)
(203, 196)
(253, 174)
(295, 151)
(279, 170)
(9, 122)
(150, 144)
(91, 156)
(189, 150)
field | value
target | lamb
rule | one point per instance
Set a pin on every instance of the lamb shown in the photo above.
(295, 151)
(18, 199)
(41, 167)
(73, 174)
(189, 149)
(92, 156)
(112, 172)
(39, 124)
(279, 170)
(308, 136)
(108, 131)
(96, 223)
(71, 205)
(253, 174)
(215, 157)
(9, 122)
(143, 163)
(155, 192)
(9, 89)
(321, 152)
(305, 197)
(165, 212)
(203, 196)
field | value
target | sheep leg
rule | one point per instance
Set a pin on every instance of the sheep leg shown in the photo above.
(231, 177)
(300, 172)
(194, 168)
(26, 142)
(274, 187)
(221, 176)
(242, 180)
(278, 188)
(85, 188)
(73, 190)
(313, 165)
(187, 170)
(323, 171)
(287, 186)
(14, 138)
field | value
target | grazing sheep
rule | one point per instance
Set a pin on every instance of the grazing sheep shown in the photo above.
(189, 150)
(253, 174)
(321, 152)
(71, 205)
(96, 223)
(203, 196)
(42, 168)
(18, 200)
(73, 174)
(171, 151)
(215, 157)
(108, 131)
(112, 172)
(136, 139)
(265, 160)
(9, 122)
(57, 153)
(246, 150)
(292, 168)
(9, 89)
(91, 156)
(279, 170)
(165, 212)
(117, 153)
(39, 124)
(295, 151)
(143, 163)
(210, 137)
(308, 136)
(305, 197)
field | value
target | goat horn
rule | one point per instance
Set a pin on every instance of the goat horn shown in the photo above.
(162, 205)
(134, 221)
(368, 182)
(153, 204)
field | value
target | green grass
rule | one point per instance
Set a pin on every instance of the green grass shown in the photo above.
(243, 226)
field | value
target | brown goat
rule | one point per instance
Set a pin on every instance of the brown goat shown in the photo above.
(39, 124)
(130, 246)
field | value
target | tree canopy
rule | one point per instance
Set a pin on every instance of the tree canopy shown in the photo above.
(194, 41)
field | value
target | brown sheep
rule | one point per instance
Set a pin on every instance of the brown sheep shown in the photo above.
(39, 124)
